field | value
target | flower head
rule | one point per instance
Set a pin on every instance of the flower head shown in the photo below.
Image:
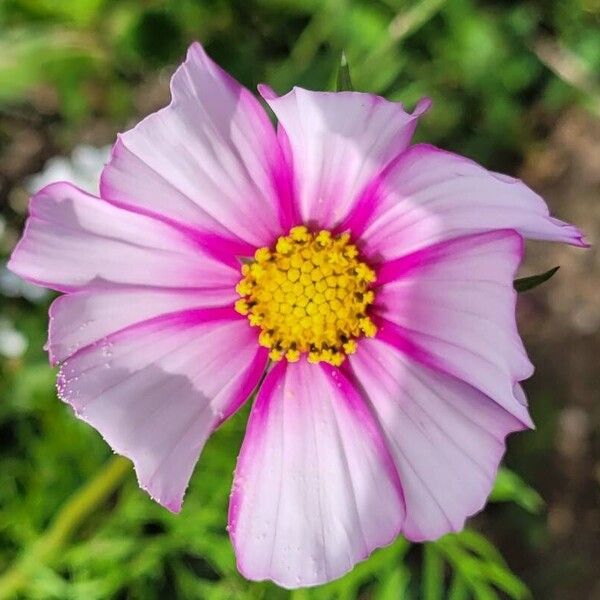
(371, 281)
(309, 295)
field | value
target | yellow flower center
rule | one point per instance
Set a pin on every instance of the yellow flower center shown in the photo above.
(310, 294)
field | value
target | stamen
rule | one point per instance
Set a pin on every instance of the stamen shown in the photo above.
(309, 295)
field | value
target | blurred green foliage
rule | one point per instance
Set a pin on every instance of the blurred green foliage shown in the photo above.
(85, 60)
(131, 547)
(477, 60)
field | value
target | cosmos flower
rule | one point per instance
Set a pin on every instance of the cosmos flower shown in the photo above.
(370, 280)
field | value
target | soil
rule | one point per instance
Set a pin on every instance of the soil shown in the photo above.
(560, 323)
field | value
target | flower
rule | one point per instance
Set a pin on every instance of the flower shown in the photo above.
(81, 168)
(371, 281)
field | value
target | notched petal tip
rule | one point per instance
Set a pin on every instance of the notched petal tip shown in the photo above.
(173, 505)
(270, 95)
(579, 238)
(196, 47)
(266, 91)
(432, 194)
(338, 144)
(422, 106)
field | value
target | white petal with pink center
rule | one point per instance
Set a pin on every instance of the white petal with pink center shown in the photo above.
(429, 195)
(452, 306)
(315, 489)
(210, 159)
(74, 241)
(338, 142)
(157, 390)
(446, 437)
(82, 318)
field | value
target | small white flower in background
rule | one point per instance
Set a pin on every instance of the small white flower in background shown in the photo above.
(12, 286)
(83, 168)
(12, 342)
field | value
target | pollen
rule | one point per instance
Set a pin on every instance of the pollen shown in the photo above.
(310, 296)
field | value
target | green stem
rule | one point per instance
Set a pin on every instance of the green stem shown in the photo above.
(72, 514)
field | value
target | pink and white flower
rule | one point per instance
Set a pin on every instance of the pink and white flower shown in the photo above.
(371, 281)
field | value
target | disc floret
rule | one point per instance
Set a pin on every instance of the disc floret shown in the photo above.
(310, 294)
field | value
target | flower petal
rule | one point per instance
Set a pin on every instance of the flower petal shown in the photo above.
(73, 240)
(156, 391)
(210, 159)
(82, 318)
(314, 490)
(452, 307)
(337, 143)
(430, 195)
(446, 437)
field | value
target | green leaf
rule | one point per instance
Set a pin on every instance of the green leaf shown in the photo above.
(509, 487)
(478, 568)
(395, 585)
(528, 283)
(493, 565)
(344, 83)
(458, 588)
(479, 545)
(348, 587)
(433, 573)
(506, 581)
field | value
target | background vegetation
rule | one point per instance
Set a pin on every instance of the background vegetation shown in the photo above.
(504, 76)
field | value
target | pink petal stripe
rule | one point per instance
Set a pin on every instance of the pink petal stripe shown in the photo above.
(336, 143)
(178, 321)
(82, 318)
(428, 195)
(410, 265)
(315, 488)
(446, 437)
(416, 346)
(156, 390)
(219, 247)
(74, 241)
(369, 199)
(452, 308)
(355, 402)
(289, 215)
(209, 160)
